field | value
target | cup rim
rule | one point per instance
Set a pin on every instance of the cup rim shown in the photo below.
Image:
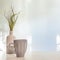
(20, 39)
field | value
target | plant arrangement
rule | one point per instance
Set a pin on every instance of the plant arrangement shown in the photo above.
(12, 18)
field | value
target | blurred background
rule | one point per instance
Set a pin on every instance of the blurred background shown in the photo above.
(39, 22)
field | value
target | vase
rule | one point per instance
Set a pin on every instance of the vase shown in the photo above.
(20, 46)
(10, 43)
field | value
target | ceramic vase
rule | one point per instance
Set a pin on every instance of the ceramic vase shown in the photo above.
(10, 43)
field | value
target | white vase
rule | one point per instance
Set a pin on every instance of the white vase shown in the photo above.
(10, 44)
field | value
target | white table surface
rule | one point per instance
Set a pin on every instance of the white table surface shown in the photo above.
(36, 56)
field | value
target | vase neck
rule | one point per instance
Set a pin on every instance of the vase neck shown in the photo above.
(11, 32)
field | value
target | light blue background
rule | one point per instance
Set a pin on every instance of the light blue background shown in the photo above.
(44, 33)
